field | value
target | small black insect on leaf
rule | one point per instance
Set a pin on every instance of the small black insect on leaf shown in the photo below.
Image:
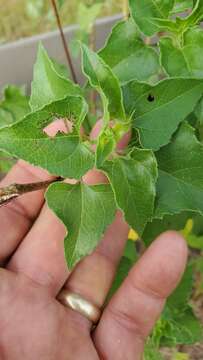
(151, 98)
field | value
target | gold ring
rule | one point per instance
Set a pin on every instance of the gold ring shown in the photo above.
(77, 303)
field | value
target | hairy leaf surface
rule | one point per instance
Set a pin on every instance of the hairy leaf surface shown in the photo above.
(61, 69)
(86, 212)
(127, 54)
(151, 15)
(185, 60)
(157, 111)
(64, 155)
(105, 82)
(49, 86)
(133, 180)
(180, 182)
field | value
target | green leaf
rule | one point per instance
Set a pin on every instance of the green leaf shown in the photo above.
(133, 180)
(198, 119)
(151, 15)
(158, 226)
(157, 110)
(198, 111)
(130, 251)
(6, 163)
(61, 69)
(14, 106)
(195, 17)
(181, 6)
(48, 86)
(180, 182)
(185, 60)
(105, 146)
(64, 155)
(184, 328)
(6, 118)
(176, 222)
(86, 211)
(104, 81)
(179, 299)
(151, 352)
(197, 224)
(136, 60)
(87, 16)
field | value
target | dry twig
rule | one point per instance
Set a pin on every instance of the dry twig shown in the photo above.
(13, 191)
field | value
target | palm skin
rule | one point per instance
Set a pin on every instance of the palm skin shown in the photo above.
(34, 325)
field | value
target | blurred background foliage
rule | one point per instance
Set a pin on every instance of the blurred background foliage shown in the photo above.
(23, 18)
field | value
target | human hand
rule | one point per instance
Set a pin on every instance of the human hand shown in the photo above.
(35, 325)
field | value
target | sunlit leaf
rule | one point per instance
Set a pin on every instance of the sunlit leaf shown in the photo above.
(86, 211)
(136, 60)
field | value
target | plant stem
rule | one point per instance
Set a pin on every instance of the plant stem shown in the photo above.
(13, 191)
(92, 44)
(68, 57)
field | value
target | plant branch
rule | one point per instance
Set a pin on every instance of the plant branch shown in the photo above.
(92, 44)
(13, 191)
(68, 56)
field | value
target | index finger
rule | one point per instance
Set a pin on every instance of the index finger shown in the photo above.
(18, 216)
